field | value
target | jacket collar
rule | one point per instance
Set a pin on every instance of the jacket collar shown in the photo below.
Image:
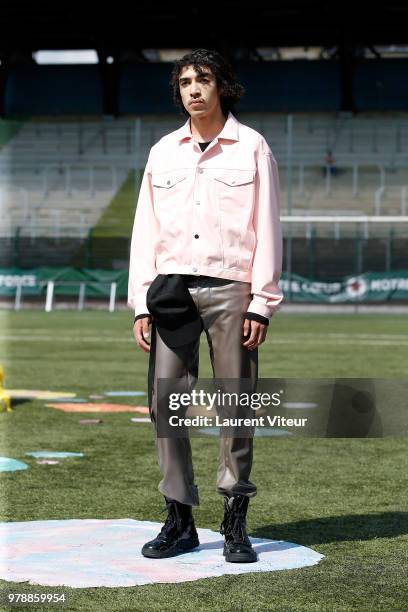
(228, 132)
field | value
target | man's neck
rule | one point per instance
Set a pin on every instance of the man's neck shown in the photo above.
(205, 129)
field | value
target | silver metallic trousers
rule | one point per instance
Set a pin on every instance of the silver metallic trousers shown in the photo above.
(221, 304)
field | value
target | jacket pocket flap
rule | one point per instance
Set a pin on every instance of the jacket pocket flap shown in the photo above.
(235, 177)
(167, 179)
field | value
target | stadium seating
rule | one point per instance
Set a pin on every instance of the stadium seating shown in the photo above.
(59, 176)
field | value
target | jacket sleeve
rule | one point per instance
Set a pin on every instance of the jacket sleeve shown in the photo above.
(267, 261)
(142, 264)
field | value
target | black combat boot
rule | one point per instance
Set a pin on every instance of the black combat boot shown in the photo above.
(237, 546)
(178, 534)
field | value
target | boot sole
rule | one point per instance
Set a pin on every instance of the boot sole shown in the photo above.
(181, 547)
(239, 558)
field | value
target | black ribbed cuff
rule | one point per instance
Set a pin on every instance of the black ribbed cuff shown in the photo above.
(254, 316)
(142, 316)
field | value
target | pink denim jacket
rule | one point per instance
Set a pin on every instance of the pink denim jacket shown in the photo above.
(212, 213)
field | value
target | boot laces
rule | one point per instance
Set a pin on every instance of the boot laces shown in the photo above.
(234, 523)
(173, 518)
(238, 527)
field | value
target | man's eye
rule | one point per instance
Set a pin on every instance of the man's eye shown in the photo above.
(202, 80)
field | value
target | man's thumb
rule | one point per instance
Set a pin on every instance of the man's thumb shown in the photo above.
(146, 332)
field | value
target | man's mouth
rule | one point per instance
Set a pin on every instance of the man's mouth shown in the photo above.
(196, 103)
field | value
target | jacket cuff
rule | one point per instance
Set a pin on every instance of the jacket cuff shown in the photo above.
(262, 309)
(139, 308)
(253, 316)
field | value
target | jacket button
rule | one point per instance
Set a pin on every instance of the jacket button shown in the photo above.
(196, 236)
(168, 182)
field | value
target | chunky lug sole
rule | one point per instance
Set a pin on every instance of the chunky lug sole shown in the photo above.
(242, 557)
(176, 549)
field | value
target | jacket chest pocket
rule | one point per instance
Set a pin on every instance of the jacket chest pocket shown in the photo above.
(168, 190)
(235, 196)
(235, 188)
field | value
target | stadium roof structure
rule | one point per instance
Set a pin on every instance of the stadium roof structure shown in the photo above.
(361, 53)
(230, 27)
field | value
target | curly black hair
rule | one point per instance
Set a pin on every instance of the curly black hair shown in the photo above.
(230, 90)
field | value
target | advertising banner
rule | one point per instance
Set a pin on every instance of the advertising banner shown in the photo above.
(368, 287)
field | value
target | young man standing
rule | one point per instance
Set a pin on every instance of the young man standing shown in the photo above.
(208, 209)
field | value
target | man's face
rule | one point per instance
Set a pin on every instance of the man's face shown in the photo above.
(199, 92)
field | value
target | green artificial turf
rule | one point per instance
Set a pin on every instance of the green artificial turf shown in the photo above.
(345, 498)
(114, 222)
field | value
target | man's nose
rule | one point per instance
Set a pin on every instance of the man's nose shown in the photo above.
(195, 89)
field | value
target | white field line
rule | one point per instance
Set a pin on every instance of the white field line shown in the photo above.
(292, 339)
(24, 332)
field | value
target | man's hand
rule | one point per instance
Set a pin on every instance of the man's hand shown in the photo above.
(256, 332)
(141, 332)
